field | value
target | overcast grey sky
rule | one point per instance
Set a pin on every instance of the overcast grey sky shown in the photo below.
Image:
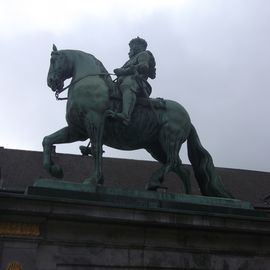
(213, 57)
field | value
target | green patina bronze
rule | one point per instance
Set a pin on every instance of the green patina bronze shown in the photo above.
(68, 189)
(121, 115)
(132, 78)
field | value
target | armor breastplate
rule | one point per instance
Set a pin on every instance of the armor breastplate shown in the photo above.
(151, 62)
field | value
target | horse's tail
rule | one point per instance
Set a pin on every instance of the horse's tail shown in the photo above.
(204, 170)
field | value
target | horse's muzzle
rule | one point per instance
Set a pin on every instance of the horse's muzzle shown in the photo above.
(51, 84)
(55, 84)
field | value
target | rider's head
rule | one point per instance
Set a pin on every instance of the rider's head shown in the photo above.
(137, 45)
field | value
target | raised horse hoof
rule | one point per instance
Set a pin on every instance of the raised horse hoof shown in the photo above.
(86, 151)
(56, 171)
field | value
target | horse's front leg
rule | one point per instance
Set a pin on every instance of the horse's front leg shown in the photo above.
(64, 135)
(95, 128)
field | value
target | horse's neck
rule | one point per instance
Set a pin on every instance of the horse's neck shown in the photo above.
(83, 65)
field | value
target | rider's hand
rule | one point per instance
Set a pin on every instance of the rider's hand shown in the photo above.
(117, 71)
(124, 71)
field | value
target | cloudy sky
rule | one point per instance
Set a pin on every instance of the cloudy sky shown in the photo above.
(213, 57)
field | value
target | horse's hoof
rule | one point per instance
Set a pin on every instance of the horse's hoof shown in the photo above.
(88, 181)
(56, 171)
(100, 181)
(151, 187)
(86, 151)
(93, 181)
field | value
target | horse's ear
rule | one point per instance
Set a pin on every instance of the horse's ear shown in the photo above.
(54, 48)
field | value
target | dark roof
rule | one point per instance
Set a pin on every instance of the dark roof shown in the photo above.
(20, 168)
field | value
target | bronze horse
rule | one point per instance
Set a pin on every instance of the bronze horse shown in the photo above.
(160, 127)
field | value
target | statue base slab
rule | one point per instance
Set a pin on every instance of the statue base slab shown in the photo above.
(139, 198)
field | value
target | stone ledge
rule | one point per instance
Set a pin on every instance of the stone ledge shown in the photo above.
(84, 234)
(43, 207)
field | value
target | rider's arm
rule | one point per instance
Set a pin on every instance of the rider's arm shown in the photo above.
(124, 71)
(143, 63)
(142, 67)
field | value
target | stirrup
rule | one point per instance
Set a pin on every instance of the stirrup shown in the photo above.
(110, 113)
(118, 116)
(125, 119)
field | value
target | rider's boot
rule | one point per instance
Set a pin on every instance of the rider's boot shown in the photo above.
(129, 100)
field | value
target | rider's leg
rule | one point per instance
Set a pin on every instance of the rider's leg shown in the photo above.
(128, 103)
(129, 88)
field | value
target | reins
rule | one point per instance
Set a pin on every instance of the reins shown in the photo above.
(57, 92)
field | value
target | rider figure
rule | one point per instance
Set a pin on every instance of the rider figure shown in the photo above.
(132, 77)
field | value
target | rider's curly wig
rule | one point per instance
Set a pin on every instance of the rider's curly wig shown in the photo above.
(138, 41)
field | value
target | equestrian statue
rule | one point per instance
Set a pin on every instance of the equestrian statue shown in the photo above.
(120, 114)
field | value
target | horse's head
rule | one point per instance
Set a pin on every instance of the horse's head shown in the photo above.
(58, 71)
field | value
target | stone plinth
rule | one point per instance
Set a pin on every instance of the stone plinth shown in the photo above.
(71, 233)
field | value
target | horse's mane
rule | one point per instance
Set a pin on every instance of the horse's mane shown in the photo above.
(108, 79)
(102, 69)
(96, 61)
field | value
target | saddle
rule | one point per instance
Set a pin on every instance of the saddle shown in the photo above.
(156, 103)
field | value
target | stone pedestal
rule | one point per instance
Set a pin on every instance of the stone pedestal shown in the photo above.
(44, 231)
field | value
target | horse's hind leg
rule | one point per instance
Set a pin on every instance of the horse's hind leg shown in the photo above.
(167, 152)
(157, 177)
(184, 174)
(173, 147)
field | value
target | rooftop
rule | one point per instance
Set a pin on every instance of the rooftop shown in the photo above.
(21, 168)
